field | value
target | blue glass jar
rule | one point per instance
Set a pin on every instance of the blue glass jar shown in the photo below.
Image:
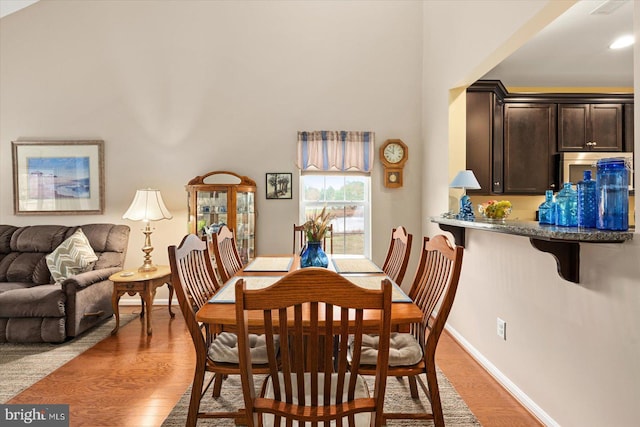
(547, 210)
(314, 256)
(567, 206)
(587, 201)
(612, 194)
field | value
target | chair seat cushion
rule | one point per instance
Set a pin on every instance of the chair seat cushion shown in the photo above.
(224, 348)
(361, 392)
(404, 350)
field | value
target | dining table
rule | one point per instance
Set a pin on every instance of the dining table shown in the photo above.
(263, 271)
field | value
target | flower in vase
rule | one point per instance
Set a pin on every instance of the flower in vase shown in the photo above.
(316, 227)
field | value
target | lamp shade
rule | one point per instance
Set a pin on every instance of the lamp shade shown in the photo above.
(147, 206)
(465, 179)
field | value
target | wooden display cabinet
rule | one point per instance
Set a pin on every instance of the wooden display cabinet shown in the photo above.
(224, 198)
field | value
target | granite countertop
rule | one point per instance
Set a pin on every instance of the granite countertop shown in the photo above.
(544, 232)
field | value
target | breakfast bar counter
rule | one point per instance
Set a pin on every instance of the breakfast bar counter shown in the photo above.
(562, 242)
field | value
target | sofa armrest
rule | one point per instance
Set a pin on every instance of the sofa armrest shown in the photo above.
(88, 278)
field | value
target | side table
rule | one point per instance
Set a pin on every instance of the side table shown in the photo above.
(134, 282)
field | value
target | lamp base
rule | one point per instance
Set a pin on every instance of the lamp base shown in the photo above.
(147, 265)
(466, 209)
(147, 268)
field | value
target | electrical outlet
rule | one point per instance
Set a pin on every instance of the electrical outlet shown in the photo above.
(502, 329)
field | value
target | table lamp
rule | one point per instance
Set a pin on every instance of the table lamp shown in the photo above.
(147, 206)
(465, 179)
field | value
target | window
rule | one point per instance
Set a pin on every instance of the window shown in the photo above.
(348, 199)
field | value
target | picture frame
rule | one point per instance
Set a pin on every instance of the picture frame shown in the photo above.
(279, 185)
(58, 177)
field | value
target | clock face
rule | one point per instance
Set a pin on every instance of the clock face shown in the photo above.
(393, 153)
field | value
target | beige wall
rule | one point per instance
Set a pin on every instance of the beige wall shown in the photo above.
(178, 89)
(572, 350)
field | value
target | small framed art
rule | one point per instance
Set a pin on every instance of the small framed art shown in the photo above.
(279, 185)
(58, 177)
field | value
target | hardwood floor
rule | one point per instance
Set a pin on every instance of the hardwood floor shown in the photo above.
(130, 379)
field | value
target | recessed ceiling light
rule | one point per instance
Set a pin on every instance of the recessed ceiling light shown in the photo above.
(621, 42)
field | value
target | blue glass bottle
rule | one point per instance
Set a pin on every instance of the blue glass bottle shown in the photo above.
(587, 201)
(567, 206)
(547, 210)
(612, 194)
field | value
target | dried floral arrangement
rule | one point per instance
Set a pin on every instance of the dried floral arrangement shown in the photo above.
(316, 227)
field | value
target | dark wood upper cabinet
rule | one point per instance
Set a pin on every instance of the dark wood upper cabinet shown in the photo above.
(628, 127)
(590, 127)
(484, 136)
(514, 139)
(529, 148)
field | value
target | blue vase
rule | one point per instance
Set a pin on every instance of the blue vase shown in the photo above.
(612, 194)
(587, 205)
(567, 206)
(314, 256)
(547, 210)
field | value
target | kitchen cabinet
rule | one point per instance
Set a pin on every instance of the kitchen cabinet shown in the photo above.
(590, 127)
(530, 165)
(513, 140)
(628, 128)
(484, 146)
(224, 198)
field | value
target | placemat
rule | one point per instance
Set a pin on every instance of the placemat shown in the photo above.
(373, 282)
(355, 265)
(227, 294)
(267, 263)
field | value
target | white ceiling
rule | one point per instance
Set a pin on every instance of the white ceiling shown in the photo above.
(10, 6)
(571, 51)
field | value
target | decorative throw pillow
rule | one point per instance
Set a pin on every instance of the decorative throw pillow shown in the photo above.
(73, 256)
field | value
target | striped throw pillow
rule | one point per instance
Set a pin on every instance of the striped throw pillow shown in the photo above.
(73, 256)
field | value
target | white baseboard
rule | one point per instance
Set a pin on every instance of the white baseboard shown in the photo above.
(517, 393)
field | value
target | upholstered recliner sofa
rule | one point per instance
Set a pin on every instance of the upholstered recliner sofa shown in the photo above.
(35, 307)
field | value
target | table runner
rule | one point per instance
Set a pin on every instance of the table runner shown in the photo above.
(270, 264)
(227, 293)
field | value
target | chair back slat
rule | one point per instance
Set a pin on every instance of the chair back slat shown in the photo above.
(226, 253)
(397, 259)
(316, 310)
(194, 283)
(436, 281)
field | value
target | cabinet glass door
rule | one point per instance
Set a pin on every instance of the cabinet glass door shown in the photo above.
(245, 225)
(211, 211)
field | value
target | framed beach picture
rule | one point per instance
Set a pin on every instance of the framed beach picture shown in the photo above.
(58, 177)
(279, 185)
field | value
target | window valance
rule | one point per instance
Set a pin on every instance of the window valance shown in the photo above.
(336, 150)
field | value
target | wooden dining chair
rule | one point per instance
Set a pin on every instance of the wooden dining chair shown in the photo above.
(395, 264)
(311, 383)
(300, 239)
(225, 251)
(412, 354)
(195, 283)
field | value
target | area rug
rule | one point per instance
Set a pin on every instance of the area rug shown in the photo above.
(397, 398)
(23, 365)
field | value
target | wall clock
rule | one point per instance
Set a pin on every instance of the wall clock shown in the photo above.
(393, 155)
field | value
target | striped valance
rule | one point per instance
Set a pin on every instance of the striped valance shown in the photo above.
(335, 151)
